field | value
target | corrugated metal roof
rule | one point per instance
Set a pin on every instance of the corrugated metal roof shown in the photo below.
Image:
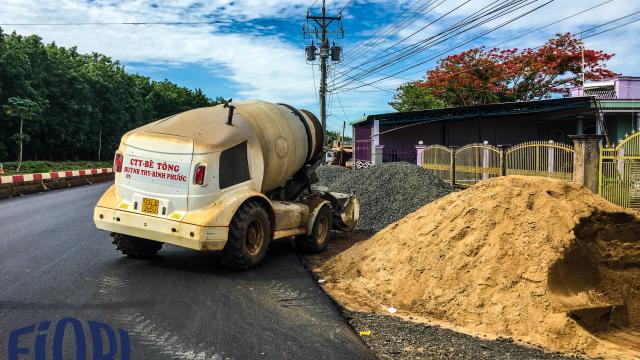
(619, 104)
(360, 120)
(491, 110)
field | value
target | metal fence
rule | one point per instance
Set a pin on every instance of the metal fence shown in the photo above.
(437, 159)
(539, 158)
(476, 162)
(472, 163)
(619, 180)
(395, 155)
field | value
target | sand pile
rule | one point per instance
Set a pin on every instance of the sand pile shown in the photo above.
(542, 261)
(387, 192)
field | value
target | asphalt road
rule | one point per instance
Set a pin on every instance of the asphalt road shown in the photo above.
(54, 264)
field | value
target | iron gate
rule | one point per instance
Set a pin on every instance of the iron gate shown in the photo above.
(619, 180)
(476, 162)
(437, 159)
(540, 158)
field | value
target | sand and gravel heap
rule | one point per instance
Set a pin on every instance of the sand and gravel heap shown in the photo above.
(387, 192)
(541, 261)
(329, 174)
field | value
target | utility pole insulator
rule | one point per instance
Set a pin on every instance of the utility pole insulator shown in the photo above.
(336, 53)
(310, 50)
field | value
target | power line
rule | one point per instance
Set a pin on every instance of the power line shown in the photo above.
(528, 32)
(503, 10)
(207, 22)
(382, 33)
(553, 23)
(315, 88)
(438, 38)
(346, 118)
(610, 29)
(578, 33)
(380, 55)
(346, 6)
(312, 5)
(395, 28)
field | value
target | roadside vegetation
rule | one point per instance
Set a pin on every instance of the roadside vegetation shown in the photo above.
(58, 104)
(30, 167)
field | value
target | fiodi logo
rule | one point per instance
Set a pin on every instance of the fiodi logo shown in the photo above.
(95, 341)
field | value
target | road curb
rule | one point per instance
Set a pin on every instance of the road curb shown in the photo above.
(15, 185)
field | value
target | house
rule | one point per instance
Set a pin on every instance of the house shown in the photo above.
(395, 135)
(618, 102)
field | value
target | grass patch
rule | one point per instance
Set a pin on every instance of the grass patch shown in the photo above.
(29, 167)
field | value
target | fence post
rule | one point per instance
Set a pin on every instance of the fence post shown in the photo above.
(419, 151)
(452, 175)
(503, 159)
(377, 155)
(586, 161)
(485, 160)
(550, 159)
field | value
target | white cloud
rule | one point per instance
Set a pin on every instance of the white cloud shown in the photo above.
(262, 67)
(272, 67)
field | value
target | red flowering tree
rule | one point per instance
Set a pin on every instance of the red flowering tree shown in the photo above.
(483, 76)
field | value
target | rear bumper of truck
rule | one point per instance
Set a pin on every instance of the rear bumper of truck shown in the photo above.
(159, 229)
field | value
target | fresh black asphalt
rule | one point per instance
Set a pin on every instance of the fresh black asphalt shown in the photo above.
(54, 264)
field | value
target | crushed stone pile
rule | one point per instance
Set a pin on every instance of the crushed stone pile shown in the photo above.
(387, 192)
(328, 174)
(541, 261)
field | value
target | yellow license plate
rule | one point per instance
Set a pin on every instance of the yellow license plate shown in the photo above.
(150, 206)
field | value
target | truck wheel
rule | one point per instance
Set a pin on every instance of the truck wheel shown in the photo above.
(249, 237)
(136, 247)
(320, 234)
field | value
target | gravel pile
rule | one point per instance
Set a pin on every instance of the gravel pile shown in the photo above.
(387, 192)
(329, 174)
(395, 338)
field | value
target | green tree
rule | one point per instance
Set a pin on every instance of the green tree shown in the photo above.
(414, 97)
(87, 101)
(23, 109)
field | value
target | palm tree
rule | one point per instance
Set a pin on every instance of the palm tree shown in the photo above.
(24, 109)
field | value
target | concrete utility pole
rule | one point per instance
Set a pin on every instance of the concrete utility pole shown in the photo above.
(321, 33)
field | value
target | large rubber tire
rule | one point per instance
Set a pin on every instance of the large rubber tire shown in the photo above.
(249, 237)
(320, 234)
(136, 247)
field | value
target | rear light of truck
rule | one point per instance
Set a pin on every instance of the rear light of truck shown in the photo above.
(199, 174)
(117, 162)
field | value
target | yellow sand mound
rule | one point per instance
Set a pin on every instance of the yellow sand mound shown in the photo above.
(539, 260)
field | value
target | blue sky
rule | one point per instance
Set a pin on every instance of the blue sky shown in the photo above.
(255, 49)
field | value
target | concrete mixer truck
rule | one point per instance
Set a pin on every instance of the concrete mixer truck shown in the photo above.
(227, 178)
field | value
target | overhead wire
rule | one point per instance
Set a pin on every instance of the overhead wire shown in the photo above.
(518, 36)
(414, 65)
(344, 7)
(380, 55)
(411, 49)
(374, 35)
(575, 34)
(438, 38)
(315, 87)
(382, 33)
(553, 23)
(138, 23)
(472, 23)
